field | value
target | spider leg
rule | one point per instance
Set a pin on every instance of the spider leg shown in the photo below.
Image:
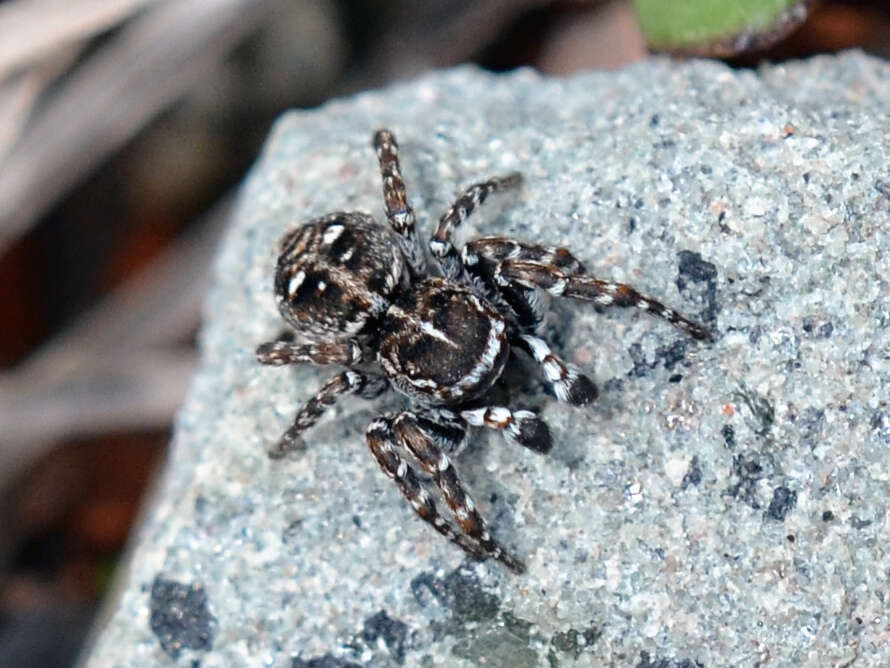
(381, 441)
(441, 245)
(481, 258)
(524, 427)
(498, 249)
(588, 288)
(565, 380)
(398, 211)
(350, 381)
(278, 353)
(415, 434)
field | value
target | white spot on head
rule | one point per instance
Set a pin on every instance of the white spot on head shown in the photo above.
(331, 234)
(643, 305)
(322, 286)
(348, 253)
(296, 282)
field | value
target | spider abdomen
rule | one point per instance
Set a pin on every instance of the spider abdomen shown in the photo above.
(336, 274)
(443, 344)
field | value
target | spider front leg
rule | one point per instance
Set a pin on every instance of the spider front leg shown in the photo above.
(586, 288)
(398, 211)
(498, 249)
(418, 435)
(566, 381)
(441, 244)
(523, 427)
(482, 256)
(365, 385)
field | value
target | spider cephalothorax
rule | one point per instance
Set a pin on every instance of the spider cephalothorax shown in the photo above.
(360, 295)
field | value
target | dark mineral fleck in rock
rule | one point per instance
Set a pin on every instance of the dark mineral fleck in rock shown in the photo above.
(693, 475)
(326, 661)
(459, 591)
(782, 503)
(179, 616)
(658, 662)
(391, 630)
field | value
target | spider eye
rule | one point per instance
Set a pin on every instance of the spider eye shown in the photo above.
(343, 248)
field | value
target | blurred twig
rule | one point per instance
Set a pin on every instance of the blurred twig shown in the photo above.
(118, 392)
(39, 28)
(19, 93)
(123, 365)
(142, 70)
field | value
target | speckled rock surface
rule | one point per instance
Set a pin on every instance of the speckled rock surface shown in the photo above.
(720, 504)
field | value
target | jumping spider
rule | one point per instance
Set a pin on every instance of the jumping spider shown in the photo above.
(361, 295)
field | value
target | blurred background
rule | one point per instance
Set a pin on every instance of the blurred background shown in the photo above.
(125, 128)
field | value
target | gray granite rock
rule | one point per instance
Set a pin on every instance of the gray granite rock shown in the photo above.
(720, 504)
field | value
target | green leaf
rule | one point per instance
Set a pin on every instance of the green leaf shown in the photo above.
(717, 27)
